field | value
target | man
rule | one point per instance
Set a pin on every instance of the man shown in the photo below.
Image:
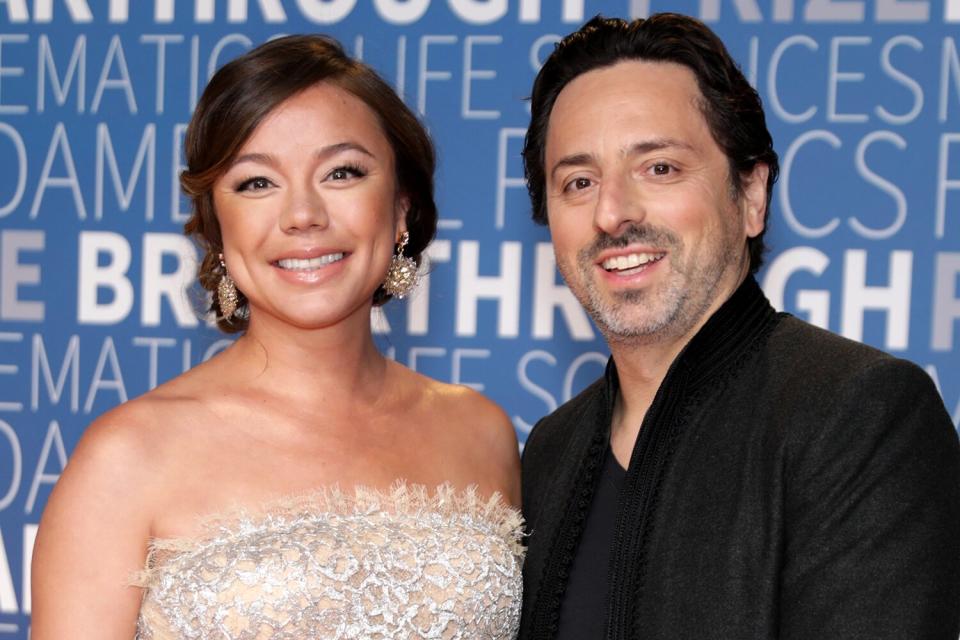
(737, 473)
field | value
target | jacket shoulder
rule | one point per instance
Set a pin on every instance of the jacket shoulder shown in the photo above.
(552, 433)
(829, 389)
(557, 445)
(806, 347)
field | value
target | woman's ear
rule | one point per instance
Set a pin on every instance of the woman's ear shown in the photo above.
(401, 208)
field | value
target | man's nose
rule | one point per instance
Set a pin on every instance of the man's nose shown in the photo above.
(618, 205)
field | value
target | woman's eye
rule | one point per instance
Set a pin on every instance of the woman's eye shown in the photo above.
(254, 184)
(347, 172)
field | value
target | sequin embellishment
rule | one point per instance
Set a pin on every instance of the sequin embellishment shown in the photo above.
(375, 565)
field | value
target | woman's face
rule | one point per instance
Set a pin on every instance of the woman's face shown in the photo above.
(310, 210)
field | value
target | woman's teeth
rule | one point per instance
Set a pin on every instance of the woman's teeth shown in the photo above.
(296, 264)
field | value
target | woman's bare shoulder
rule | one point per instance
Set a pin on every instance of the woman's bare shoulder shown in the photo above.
(132, 438)
(458, 405)
(99, 517)
(478, 428)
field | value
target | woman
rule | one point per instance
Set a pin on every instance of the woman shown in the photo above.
(299, 484)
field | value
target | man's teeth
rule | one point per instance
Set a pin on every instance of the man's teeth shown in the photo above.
(622, 263)
(295, 264)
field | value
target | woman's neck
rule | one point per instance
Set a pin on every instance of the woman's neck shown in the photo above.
(335, 364)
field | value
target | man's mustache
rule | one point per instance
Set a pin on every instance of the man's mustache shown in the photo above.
(633, 234)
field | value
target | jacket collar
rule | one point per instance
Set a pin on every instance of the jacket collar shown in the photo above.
(721, 344)
(720, 341)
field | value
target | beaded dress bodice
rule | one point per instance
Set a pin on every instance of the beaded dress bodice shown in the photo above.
(375, 565)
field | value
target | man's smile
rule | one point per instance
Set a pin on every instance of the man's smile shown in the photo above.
(630, 262)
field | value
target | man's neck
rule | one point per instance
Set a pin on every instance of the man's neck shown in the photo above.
(641, 367)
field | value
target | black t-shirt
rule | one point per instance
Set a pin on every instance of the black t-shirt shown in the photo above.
(584, 607)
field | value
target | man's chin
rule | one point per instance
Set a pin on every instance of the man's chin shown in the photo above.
(620, 325)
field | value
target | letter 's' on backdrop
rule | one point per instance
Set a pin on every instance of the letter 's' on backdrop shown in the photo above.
(862, 96)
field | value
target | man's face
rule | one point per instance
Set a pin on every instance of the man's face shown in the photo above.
(647, 230)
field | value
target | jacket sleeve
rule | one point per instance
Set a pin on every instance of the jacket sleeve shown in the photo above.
(533, 479)
(872, 514)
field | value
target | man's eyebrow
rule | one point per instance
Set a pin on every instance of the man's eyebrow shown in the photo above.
(656, 144)
(324, 152)
(573, 160)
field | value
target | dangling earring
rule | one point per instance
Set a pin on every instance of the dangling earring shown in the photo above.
(226, 293)
(402, 274)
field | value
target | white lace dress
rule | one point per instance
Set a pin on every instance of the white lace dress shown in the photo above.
(406, 563)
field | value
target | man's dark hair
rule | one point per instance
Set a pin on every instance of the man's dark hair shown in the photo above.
(732, 107)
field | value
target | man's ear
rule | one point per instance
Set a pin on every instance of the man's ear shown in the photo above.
(753, 199)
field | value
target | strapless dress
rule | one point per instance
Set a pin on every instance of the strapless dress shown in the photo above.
(405, 563)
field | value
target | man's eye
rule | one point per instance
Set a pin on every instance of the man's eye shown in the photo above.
(661, 169)
(579, 184)
(254, 184)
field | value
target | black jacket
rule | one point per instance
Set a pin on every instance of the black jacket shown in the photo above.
(787, 483)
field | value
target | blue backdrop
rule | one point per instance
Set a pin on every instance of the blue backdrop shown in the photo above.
(862, 96)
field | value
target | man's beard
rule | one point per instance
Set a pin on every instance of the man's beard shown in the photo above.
(672, 307)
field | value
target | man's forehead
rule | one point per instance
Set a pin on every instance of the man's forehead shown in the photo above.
(648, 103)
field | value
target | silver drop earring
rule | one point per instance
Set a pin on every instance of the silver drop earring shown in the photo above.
(226, 293)
(402, 274)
